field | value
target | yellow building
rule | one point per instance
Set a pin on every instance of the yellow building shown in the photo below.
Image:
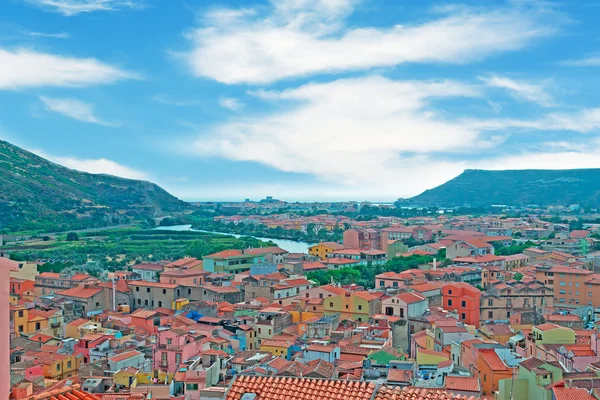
(276, 347)
(358, 306)
(322, 249)
(125, 377)
(80, 327)
(30, 321)
(59, 366)
(26, 270)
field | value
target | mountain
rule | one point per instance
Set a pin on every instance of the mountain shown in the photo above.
(516, 188)
(38, 194)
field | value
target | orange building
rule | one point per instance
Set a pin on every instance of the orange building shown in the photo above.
(463, 298)
(491, 370)
(574, 287)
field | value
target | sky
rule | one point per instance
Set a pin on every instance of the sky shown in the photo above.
(303, 100)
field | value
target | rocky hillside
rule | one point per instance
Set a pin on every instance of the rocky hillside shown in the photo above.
(36, 194)
(516, 188)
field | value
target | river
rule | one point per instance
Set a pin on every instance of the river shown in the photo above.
(289, 245)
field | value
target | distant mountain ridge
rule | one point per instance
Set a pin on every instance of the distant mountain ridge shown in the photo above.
(36, 193)
(476, 187)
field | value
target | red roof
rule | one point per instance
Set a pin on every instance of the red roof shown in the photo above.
(410, 298)
(492, 359)
(413, 393)
(226, 254)
(149, 267)
(462, 383)
(125, 356)
(564, 393)
(297, 388)
(80, 292)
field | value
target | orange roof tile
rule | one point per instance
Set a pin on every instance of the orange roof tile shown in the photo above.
(462, 383)
(410, 393)
(80, 292)
(297, 388)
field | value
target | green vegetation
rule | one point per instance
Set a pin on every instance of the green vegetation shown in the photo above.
(119, 247)
(516, 188)
(40, 196)
(364, 275)
(501, 250)
(518, 276)
(312, 235)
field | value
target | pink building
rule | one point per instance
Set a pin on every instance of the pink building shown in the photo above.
(176, 345)
(6, 266)
(362, 239)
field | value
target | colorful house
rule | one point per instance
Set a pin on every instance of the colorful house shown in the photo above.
(321, 250)
(357, 306)
(463, 298)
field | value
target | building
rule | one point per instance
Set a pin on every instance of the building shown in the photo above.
(148, 272)
(545, 334)
(232, 261)
(6, 267)
(358, 306)
(405, 305)
(154, 294)
(463, 298)
(273, 254)
(362, 239)
(321, 250)
(50, 282)
(87, 299)
(532, 381)
(501, 299)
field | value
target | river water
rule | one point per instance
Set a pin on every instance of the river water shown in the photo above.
(289, 245)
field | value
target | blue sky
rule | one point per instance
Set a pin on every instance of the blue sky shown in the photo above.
(301, 99)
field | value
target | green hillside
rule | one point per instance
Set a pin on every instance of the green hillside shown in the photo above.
(516, 188)
(36, 194)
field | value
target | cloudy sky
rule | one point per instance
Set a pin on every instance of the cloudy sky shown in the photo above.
(301, 99)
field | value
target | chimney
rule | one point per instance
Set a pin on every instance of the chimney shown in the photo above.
(434, 264)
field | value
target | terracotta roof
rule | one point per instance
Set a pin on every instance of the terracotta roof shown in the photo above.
(399, 375)
(265, 250)
(80, 292)
(148, 266)
(124, 356)
(410, 298)
(564, 393)
(225, 254)
(153, 284)
(297, 388)
(462, 383)
(410, 393)
(547, 327)
(331, 245)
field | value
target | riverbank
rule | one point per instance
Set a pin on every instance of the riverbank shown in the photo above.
(292, 246)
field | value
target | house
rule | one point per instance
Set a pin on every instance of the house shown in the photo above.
(533, 380)
(132, 358)
(362, 239)
(88, 299)
(328, 353)
(491, 370)
(273, 254)
(463, 298)
(502, 298)
(357, 306)
(175, 346)
(278, 348)
(232, 261)
(148, 272)
(154, 294)
(463, 386)
(229, 294)
(322, 250)
(468, 248)
(405, 305)
(50, 282)
(545, 334)
(184, 277)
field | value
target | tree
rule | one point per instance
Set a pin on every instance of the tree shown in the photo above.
(72, 237)
(518, 276)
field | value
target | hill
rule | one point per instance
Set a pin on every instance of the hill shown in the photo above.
(516, 188)
(37, 194)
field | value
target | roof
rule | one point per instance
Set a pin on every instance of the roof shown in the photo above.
(410, 298)
(153, 284)
(124, 356)
(399, 375)
(266, 250)
(331, 245)
(462, 383)
(410, 393)
(80, 292)
(547, 327)
(148, 267)
(569, 270)
(565, 393)
(225, 254)
(297, 388)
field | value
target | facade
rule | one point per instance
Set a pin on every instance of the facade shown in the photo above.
(49, 282)
(362, 239)
(154, 294)
(321, 250)
(501, 300)
(148, 272)
(465, 299)
(405, 305)
(358, 306)
(232, 261)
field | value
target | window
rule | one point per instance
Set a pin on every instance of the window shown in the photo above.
(152, 303)
(576, 284)
(38, 326)
(58, 367)
(590, 294)
(563, 292)
(259, 330)
(360, 307)
(147, 290)
(146, 302)
(20, 313)
(330, 304)
(69, 364)
(449, 302)
(20, 328)
(449, 291)
(137, 288)
(139, 301)
(490, 314)
(490, 302)
(562, 283)
(164, 291)
(169, 341)
(484, 377)
(463, 316)
(346, 306)
(463, 303)
(577, 293)
(191, 386)
(177, 358)
(395, 284)
(160, 303)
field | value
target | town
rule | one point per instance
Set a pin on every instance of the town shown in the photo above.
(434, 306)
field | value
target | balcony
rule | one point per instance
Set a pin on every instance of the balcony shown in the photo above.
(55, 325)
(163, 346)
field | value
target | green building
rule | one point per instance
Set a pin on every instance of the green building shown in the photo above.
(533, 376)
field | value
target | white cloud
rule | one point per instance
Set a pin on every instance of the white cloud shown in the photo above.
(26, 68)
(593, 61)
(71, 8)
(231, 103)
(95, 166)
(73, 108)
(304, 37)
(57, 35)
(520, 90)
(384, 137)
(351, 131)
